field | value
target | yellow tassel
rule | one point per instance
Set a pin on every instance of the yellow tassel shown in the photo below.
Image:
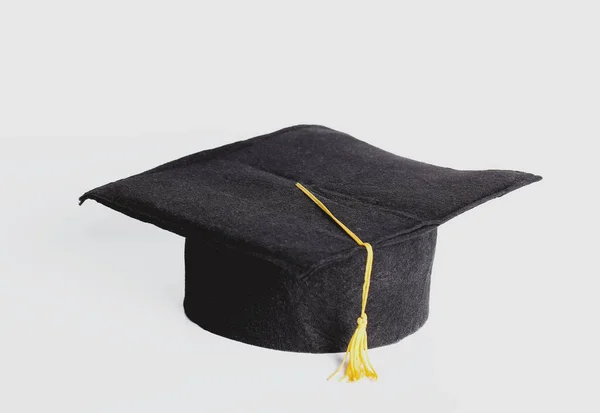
(359, 365)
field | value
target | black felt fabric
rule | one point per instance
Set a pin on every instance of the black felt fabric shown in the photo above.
(265, 265)
(251, 300)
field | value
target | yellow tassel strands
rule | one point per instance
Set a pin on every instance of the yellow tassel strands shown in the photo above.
(356, 359)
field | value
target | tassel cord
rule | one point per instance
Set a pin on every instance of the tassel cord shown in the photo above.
(356, 358)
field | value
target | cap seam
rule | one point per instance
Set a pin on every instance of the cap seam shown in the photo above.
(420, 229)
(382, 241)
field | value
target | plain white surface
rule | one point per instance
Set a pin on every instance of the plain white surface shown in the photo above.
(90, 300)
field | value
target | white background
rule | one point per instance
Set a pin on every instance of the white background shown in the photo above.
(90, 300)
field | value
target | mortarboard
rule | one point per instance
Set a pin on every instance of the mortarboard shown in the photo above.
(291, 238)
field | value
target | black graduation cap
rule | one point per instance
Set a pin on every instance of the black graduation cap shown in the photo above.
(288, 234)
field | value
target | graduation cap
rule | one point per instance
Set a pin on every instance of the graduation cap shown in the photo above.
(294, 236)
